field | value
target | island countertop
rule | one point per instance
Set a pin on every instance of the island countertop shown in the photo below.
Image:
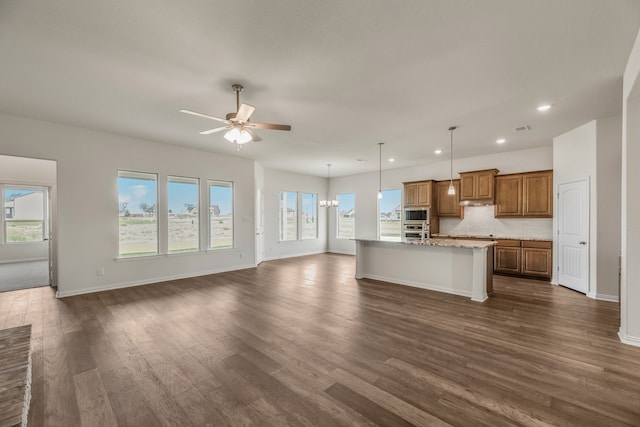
(451, 243)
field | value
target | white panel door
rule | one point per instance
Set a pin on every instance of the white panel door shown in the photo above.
(573, 235)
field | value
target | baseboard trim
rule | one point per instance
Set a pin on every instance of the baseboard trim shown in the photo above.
(426, 286)
(11, 261)
(342, 252)
(610, 298)
(112, 286)
(629, 340)
(274, 258)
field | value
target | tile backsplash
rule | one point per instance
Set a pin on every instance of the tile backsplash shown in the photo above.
(479, 221)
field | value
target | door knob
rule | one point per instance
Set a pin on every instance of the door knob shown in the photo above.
(583, 243)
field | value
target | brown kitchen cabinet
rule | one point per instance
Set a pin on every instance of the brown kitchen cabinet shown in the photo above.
(523, 258)
(524, 195)
(418, 194)
(447, 205)
(477, 185)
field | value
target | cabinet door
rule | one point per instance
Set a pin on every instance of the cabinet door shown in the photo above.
(449, 205)
(410, 196)
(538, 194)
(467, 186)
(536, 262)
(507, 259)
(484, 185)
(424, 193)
(508, 196)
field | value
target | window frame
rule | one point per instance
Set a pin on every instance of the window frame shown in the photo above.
(184, 180)
(380, 237)
(231, 185)
(338, 216)
(297, 222)
(45, 212)
(122, 173)
(315, 212)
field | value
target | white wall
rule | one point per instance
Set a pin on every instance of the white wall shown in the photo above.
(30, 172)
(630, 226)
(365, 187)
(608, 164)
(87, 224)
(275, 182)
(574, 157)
(594, 151)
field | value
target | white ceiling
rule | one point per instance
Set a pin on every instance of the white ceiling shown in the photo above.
(345, 74)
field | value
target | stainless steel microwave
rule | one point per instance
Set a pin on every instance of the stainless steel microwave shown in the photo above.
(415, 215)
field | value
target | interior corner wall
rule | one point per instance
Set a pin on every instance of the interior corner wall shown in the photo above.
(630, 226)
(275, 182)
(574, 157)
(608, 166)
(87, 224)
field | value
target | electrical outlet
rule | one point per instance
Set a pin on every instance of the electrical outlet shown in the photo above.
(100, 271)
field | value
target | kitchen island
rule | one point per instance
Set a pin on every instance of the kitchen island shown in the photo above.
(461, 267)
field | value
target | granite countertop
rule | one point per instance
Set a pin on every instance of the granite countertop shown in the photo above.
(450, 243)
(491, 237)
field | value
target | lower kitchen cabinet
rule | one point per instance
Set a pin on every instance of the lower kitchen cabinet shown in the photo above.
(523, 258)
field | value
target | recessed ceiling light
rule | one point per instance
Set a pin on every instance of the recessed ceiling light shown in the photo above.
(391, 159)
(544, 107)
(501, 141)
(438, 151)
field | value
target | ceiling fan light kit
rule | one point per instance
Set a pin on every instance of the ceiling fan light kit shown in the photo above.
(237, 124)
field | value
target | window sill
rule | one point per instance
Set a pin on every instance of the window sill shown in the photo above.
(139, 257)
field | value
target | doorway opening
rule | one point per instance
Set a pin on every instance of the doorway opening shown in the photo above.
(27, 195)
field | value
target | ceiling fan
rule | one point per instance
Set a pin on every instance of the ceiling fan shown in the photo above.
(238, 125)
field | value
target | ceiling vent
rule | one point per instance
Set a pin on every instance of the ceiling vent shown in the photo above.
(523, 128)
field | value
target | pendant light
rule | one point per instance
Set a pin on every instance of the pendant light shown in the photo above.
(328, 203)
(452, 190)
(380, 144)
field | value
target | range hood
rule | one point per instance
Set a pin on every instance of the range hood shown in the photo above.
(477, 202)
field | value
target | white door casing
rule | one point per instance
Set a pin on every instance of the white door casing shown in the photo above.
(573, 235)
(259, 225)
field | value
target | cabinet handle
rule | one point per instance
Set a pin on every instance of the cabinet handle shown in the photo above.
(583, 243)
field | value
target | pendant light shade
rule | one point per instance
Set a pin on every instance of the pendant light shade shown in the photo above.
(452, 190)
(380, 144)
(329, 203)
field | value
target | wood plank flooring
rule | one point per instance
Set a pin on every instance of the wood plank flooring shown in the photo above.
(301, 342)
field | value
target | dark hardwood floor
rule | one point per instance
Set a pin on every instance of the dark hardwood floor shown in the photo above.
(301, 342)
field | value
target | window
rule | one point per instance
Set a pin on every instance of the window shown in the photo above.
(288, 208)
(220, 215)
(138, 219)
(390, 211)
(346, 216)
(25, 214)
(309, 216)
(183, 213)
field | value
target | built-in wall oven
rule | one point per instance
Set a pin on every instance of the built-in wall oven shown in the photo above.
(417, 223)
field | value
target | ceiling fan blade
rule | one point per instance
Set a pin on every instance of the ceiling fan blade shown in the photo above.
(206, 116)
(268, 126)
(244, 112)
(214, 130)
(254, 136)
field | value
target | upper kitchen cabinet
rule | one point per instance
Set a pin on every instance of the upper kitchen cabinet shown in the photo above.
(477, 186)
(524, 195)
(418, 194)
(448, 206)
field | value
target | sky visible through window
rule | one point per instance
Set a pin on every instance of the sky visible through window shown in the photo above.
(390, 200)
(181, 193)
(12, 193)
(221, 196)
(135, 191)
(347, 201)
